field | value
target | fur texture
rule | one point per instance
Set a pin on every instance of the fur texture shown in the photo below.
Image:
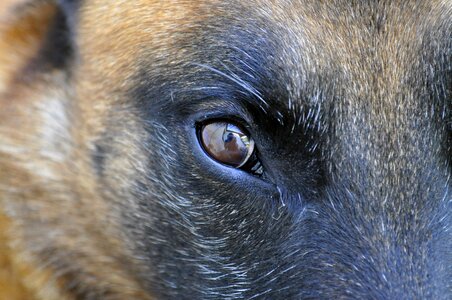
(106, 193)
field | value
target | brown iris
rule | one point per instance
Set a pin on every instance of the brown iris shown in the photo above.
(227, 143)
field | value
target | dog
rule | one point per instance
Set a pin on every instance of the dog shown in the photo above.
(226, 149)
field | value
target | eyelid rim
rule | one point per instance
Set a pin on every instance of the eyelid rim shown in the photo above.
(227, 118)
(219, 168)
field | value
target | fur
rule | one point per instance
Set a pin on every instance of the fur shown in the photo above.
(106, 194)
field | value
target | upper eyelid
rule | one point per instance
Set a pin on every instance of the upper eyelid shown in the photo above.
(219, 108)
(243, 124)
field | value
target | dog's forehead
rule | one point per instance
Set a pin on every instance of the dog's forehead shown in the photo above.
(308, 43)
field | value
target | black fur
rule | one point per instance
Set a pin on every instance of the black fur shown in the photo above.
(57, 49)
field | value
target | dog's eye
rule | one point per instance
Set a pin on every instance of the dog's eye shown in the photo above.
(227, 143)
(231, 145)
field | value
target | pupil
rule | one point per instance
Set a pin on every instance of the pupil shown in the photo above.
(229, 137)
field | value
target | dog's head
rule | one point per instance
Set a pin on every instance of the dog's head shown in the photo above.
(239, 149)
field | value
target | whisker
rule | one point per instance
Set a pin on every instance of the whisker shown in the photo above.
(236, 79)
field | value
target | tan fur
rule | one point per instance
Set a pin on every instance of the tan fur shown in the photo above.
(45, 138)
(38, 161)
(20, 37)
(11, 280)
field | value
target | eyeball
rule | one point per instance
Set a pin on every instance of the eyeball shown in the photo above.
(227, 143)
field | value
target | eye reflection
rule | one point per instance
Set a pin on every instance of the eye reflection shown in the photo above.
(227, 143)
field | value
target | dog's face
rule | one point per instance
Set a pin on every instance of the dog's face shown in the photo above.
(251, 149)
